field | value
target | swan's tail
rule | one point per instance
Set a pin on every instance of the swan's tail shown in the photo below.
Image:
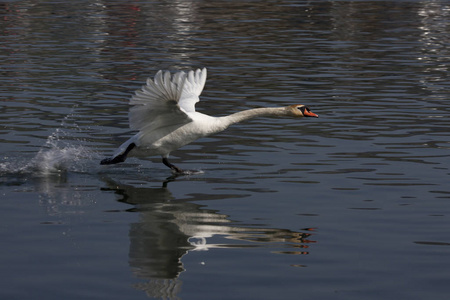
(118, 158)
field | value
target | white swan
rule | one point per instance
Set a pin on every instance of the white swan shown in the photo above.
(164, 114)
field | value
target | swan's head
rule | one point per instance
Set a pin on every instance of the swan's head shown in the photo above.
(301, 111)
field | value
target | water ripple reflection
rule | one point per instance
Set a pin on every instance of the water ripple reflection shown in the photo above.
(370, 176)
(169, 230)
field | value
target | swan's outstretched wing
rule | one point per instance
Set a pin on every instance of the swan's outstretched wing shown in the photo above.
(193, 87)
(166, 100)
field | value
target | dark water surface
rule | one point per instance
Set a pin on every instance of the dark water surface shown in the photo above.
(353, 205)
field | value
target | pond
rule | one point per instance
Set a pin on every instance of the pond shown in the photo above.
(352, 205)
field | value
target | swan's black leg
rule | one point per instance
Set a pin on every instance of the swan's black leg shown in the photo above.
(173, 167)
(119, 158)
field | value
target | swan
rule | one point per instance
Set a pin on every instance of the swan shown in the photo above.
(163, 113)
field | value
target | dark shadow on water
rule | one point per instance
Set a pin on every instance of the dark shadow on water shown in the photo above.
(169, 229)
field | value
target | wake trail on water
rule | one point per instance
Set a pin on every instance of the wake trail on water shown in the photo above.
(61, 152)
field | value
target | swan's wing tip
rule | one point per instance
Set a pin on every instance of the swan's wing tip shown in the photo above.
(193, 87)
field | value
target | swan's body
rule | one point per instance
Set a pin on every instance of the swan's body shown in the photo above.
(164, 114)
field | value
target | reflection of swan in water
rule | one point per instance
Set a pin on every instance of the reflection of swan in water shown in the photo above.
(170, 228)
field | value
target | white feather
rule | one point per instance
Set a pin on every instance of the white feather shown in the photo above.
(193, 87)
(164, 101)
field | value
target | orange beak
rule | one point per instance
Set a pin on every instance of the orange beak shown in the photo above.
(307, 113)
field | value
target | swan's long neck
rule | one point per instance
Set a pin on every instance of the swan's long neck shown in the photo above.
(252, 113)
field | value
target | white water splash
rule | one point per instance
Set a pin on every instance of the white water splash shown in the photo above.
(60, 153)
(57, 156)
